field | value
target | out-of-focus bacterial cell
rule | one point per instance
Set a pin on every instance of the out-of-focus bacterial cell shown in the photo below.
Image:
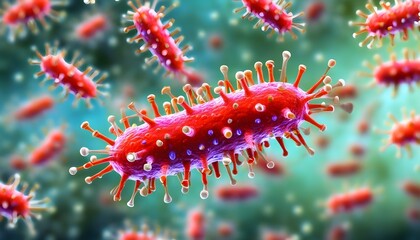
(395, 72)
(15, 204)
(272, 15)
(387, 22)
(68, 75)
(27, 13)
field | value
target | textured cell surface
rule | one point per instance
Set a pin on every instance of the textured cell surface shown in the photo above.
(395, 72)
(350, 201)
(210, 130)
(388, 21)
(158, 39)
(15, 204)
(272, 15)
(404, 134)
(34, 108)
(68, 75)
(52, 146)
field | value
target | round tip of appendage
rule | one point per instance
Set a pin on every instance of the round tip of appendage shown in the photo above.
(327, 87)
(311, 151)
(73, 171)
(84, 124)
(151, 97)
(251, 174)
(187, 87)
(301, 66)
(286, 54)
(239, 75)
(111, 118)
(167, 198)
(184, 190)
(350, 23)
(270, 165)
(355, 36)
(116, 199)
(224, 68)
(143, 192)
(269, 63)
(258, 64)
(181, 99)
(327, 80)
(226, 161)
(84, 151)
(331, 63)
(217, 90)
(130, 203)
(204, 194)
(342, 82)
(165, 90)
(233, 182)
(88, 180)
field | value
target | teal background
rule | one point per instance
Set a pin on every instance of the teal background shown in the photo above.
(86, 211)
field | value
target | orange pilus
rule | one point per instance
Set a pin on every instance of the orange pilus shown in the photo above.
(272, 15)
(15, 204)
(68, 74)
(210, 129)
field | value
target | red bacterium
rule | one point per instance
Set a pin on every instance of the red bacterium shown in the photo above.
(395, 72)
(388, 21)
(68, 75)
(357, 149)
(236, 193)
(338, 232)
(315, 10)
(49, 149)
(27, 13)
(15, 204)
(350, 201)
(92, 27)
(412, 189)
(34, 108)
(132, 232)
(158, 39)
(272, 15)
(196, 225)
(209, 130)
(343, 168)
(404, 134)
